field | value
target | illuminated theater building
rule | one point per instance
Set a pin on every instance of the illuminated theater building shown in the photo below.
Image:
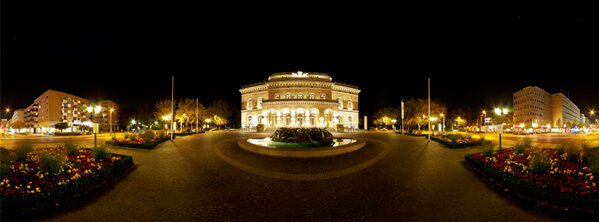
(299, 100)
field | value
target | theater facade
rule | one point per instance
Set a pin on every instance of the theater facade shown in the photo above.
(299, 99)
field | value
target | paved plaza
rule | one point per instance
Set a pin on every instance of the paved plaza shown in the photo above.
(208, 178)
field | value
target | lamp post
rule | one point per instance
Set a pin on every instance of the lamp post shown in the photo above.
(207, 122)
(443, 126)
(499, 111)
(94, 110)
(111, 110)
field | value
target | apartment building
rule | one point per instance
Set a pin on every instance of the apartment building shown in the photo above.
(18, 115)
(535, 108)
(54, 107)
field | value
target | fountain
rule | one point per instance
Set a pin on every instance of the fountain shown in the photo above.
(301, 143)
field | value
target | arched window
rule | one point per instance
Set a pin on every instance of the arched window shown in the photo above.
(259, 104)
(340, 101)
(249, 104)
(300, 96)
(277, 96)
(287, 95)
(350, 105)
(323, 96)
(311, 96)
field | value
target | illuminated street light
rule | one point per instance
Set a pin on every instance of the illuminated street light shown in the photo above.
(97, 109)
(443, 127)
(498, 111)
(132, 121)
(504, 111)
(592, 112)
(90, 109)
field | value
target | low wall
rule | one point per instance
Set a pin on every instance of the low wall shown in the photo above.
(301, 152)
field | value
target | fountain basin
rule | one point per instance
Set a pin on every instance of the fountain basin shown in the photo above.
(300, 150)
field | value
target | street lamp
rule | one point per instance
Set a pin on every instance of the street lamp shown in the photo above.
(499, 111)
(111, 110)
(393, 121)
(443, 127)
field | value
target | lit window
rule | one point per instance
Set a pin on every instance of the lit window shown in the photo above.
(249, 104)
(323, 96)
(287, 95)
(340, 101)
(300, 96)
(259, 104)
(277, 96)
(311, 96)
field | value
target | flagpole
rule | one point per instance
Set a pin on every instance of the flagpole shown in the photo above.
(197, 118)
(172, 104)
(429, 109)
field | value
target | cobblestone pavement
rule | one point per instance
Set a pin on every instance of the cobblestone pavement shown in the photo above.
(199, 178)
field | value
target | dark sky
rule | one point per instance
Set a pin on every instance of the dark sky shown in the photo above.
(129, 55)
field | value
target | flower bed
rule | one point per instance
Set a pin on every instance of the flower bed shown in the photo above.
(459, 143)
(140, 142)
(567, 184)
(25, 188)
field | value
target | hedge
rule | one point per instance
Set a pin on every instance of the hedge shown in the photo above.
(24, 204)
(458, 145)
(411, 134)
(140, 145)
(187, 134)
(533, 192)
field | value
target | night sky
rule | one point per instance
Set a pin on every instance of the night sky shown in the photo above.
(129, 55)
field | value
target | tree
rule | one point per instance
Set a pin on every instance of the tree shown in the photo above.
(186, 107)
(416, 111)
(18, 125)
(385, 116)
(220, 111)
(61, 126)
(162, 108)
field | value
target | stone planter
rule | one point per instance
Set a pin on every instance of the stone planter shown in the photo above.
(340, 129)
(260, 128)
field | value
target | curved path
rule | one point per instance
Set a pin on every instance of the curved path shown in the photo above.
(397, 178)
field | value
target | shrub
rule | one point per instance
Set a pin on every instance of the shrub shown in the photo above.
(594, 165)
(469, 137)
(127, 135)
(572, 154)
(161, 134)
(539, 162)
(488, 150)
(4, 160)
(52, 162)
(70, 148)
(561, 149)
(482, 138)
(23, 150)
(100, 152)
(520, 148)
(113, 138)
(148, 136)
(132, 137)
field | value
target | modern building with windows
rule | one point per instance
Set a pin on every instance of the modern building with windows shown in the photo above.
(536, 109)
(54, 107)
(18, 115)
(299, 100)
